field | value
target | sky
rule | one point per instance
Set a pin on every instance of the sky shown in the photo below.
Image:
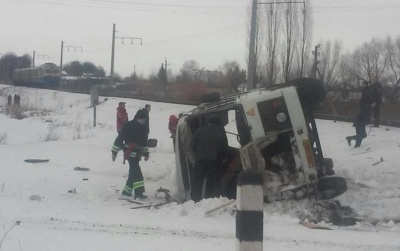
(208, 31)
(59, 126)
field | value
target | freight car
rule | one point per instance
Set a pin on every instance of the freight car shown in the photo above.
(44, 76)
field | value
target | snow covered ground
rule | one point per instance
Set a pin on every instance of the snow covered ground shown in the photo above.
(62, 209)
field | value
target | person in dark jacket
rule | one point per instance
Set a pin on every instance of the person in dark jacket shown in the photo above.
(17, 100)
(9, 103)
(376, 91)
(210, 147)
(363, 117)
(172, 126)
(134, 138)
(9, 100)
(147, 109)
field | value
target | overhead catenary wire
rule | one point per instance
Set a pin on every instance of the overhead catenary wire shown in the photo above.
(331, 6)
(143, 7)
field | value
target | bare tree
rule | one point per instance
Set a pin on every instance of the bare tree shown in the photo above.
(392, 71)
(233, 74)
(305, 38)
(328, 70)
(370, 61)
(188, 71)
(346, 71)
(272, 14)
(290, 26)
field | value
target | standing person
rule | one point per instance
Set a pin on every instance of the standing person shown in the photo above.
(147, 109)
(18, 100)
(133, 136)
(8, 106)
(210, 148)
(363, 117)
(377, 99)
(9, 100)
(122, 119)
(15, 99)
(122, 116)
(172, 125)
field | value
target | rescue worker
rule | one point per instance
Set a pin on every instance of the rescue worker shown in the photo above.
(147, 109)
(172, 125)
(210, 148)
(133, 135)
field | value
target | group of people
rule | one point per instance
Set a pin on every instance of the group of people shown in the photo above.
(17, 103)
(132, 139)
(369, 111)
(210, 147)
(17, 100)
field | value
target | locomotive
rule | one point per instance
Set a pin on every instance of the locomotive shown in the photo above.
(44, 76)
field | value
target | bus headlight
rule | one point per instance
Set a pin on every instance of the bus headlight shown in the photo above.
(281, 117)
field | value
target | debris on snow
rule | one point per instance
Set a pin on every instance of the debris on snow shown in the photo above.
(35, 197)
(81, 168)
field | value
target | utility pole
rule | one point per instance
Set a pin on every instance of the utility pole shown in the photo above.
(113, 51)
(166, 72)
(251, 64)
(112, 57)
(62, 52)
(37, 55)
(315, 70)
(316, 62)
(61, 58)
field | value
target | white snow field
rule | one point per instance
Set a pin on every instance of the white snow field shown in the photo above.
(59, 208)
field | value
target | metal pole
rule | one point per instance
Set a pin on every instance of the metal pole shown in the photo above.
(251, 64)
(112, 57)
(61, 58)
(33, 59)
(94, 114)
(315, 65)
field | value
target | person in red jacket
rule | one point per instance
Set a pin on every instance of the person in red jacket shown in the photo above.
(122, 116)
(122, 119)
(172, 124)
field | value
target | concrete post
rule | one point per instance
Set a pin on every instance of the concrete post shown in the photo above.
(249, 216)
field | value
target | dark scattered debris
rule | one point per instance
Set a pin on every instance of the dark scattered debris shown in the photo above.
(330, 211)
(78, 168)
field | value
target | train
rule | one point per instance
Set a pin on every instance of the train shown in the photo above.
(44, 76)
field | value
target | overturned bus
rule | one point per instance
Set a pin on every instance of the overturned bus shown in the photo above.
(271, 130)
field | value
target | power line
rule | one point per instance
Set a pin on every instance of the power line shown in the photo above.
(169, 5)
(197, 35)
(118, 5)
(358, 7)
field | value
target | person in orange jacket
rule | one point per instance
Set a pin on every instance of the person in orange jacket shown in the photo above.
(122, 119)
(122, 116)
